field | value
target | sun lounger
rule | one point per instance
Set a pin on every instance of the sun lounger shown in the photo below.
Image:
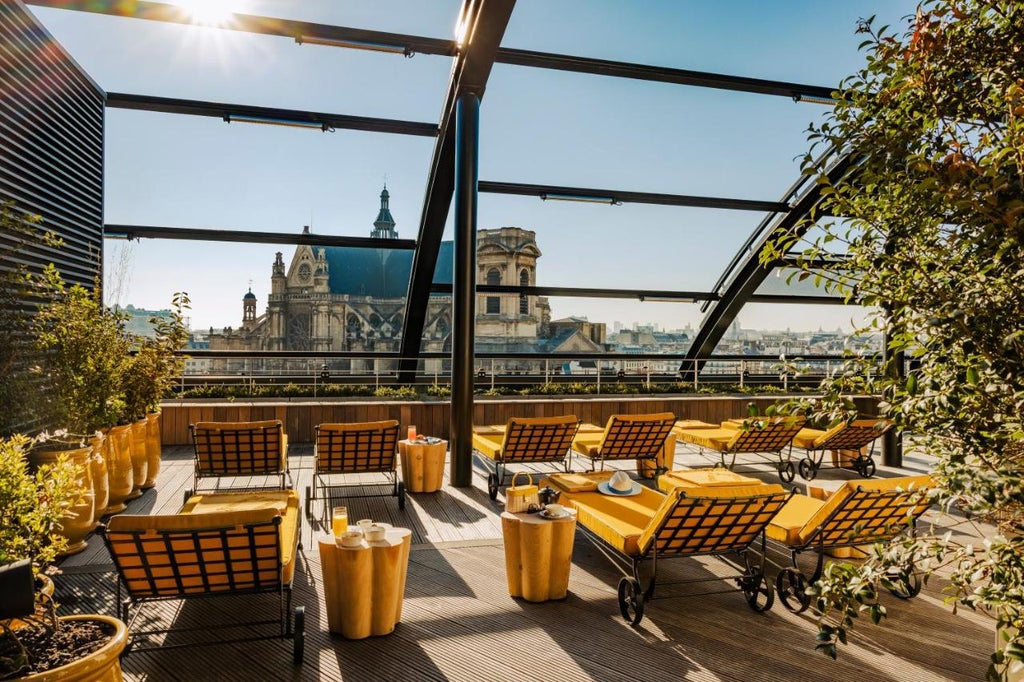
(246, 450)
(858, 513)
(524, 440)
(769, 437)
(631, 531)
(641, 437)
(855, 435)
(218, 545)
(354, 448)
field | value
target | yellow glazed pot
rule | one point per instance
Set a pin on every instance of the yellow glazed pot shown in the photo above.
(80, 522)
(140, 464)
(119, 469)
(102, 665)
(153, 449)
(100, 477)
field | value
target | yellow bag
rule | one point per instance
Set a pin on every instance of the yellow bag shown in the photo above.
(518, 498)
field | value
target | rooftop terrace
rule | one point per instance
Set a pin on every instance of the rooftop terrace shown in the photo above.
(458, 622)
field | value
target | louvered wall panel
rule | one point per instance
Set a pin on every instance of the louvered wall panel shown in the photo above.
(51, 146)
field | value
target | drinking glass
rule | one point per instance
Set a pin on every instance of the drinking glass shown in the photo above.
(412, 433)
(339, 521)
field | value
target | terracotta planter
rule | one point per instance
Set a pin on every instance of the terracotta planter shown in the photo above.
(81, 521)
(100, 478)
(137, 448)
(102, 665)
(153, 449)
(119, 468)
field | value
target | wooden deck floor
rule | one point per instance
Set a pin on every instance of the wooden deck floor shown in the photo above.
(458, 622)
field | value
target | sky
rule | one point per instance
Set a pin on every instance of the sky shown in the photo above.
(537, 126)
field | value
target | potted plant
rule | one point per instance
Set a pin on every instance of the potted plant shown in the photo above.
(33, 505)
(84, 348)
(149, 375)
(931, 236)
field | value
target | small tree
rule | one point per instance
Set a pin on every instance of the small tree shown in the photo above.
(931, 223)
(149, 374)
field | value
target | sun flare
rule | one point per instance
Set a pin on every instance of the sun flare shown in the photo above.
(211, 12)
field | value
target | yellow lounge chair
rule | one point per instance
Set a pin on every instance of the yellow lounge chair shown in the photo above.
(629, 436)
(853, 435)
(759, 435)
(524, 440)
(858, 513)
(240, 449)
(218, 545)
(354, 448)
(650, 526)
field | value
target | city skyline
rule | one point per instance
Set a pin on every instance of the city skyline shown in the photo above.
(536, 126)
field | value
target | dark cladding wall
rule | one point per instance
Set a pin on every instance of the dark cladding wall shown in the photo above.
(51, 146)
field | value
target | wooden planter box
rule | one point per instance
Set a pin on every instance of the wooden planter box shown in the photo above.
(432, 417)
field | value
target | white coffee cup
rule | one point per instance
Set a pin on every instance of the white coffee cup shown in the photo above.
(554, 509)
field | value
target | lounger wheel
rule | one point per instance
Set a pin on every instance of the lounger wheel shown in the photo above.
(905, 585)
(808, 469)
(787, 472)
(792, 588)
(401, 496)
(299, 635)
(758, 591)
(631, 600)
(492, 486)
(865, 466)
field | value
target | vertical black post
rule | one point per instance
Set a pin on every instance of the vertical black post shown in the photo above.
(892, 440)
(467, 133)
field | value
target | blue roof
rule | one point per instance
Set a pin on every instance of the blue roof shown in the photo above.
(381, 273)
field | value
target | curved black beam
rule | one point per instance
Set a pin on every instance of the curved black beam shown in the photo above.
(750, 274)
(169, 105)
(486, 21)
(622, 196)
(652, 295)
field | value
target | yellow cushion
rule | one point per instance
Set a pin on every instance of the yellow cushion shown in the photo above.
(587, 443)
(618, 520)
(713, 439)
(690, 478)
(786, 525)
(693, 424)
(359, 426)
(488, 445)
(806, 438)
(577, 483)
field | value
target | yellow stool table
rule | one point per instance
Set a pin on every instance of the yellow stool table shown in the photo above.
(538, 555)
(422, 465)
(363, 586)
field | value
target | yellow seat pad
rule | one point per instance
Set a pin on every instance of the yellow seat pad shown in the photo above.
(713, 439)
(706, 477)
(588, 443)
(577, 483)
(488, 445)
(806, 438)
(619, 521)
(786, 525)
(693, 424)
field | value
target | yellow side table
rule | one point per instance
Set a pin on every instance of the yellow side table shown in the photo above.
(422, 465)
(538, 555)
(364, 585)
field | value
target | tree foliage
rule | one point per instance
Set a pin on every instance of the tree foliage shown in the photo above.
(930, 221)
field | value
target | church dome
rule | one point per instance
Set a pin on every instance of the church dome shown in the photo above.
(249, 296)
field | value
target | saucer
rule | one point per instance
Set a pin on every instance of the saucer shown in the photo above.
(545, 515)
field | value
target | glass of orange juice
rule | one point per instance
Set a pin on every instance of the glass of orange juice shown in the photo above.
(339, 521)
(412, 433)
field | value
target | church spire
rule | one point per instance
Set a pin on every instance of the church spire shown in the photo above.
(384, 226)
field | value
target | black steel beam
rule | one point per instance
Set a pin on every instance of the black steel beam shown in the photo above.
(486, 21)
(130, 232)
(484, 355)
(248, 23)
(221, 110)
(651, 295)
(748, 276)
(626, 197)
(704, 79)
(803, 299)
